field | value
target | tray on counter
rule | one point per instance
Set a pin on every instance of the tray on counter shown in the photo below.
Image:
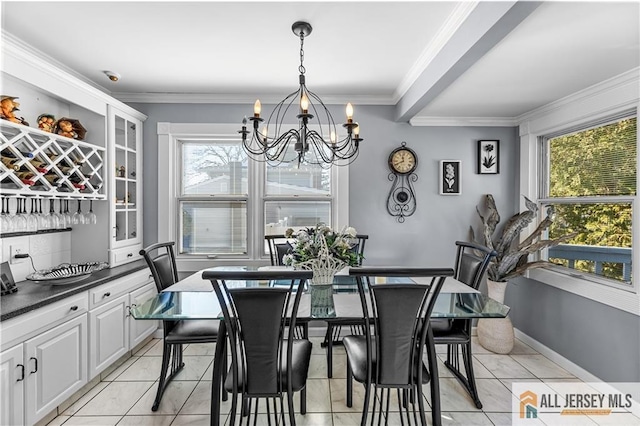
(66, 273)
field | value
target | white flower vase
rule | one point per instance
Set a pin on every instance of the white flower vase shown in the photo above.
(496, 334)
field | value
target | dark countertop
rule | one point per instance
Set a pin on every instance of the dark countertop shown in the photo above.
(32, 296)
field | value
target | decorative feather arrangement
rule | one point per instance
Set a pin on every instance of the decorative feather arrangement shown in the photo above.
(512, 258)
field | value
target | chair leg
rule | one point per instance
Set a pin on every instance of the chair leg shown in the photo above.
(303, 400)
(166, 357)
(349, 386)
(365, 403)
(292, 415)
(468, 366)
(329, 344)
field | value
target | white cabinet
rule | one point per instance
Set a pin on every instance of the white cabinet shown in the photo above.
(125, 194)
(56, 367)
(12, 374)
(109, 334)
(112, 329)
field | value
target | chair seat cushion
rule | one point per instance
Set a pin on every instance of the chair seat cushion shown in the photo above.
(449, 331)
(193, 331)
(300, 359)
(356, 347)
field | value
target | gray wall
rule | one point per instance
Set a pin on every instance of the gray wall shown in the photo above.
(603, 340)
(426, 238)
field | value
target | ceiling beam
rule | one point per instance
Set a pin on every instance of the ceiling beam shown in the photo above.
(486, 25)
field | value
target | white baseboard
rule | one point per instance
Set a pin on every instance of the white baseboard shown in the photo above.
(554, 356)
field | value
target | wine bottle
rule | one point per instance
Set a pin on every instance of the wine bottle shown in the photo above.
(40, 166)
(26, 177)
(11, 163)
(53, 179)
(10, 154)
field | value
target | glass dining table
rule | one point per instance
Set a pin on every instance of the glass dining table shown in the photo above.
(194, 298)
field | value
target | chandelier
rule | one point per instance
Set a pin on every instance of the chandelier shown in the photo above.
(315, 144)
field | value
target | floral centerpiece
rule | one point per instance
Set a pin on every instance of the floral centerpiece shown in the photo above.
(325, 252)
(322, 250)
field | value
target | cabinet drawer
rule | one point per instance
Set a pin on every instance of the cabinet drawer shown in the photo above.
(110, 291)
(26, 325)
(125, 255)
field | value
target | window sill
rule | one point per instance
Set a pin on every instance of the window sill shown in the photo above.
(625, 300)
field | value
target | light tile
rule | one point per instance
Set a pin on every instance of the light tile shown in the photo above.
(116, 399)
(520, 348)
(191, 420)
(199, 402)
(477, 348)
(121, 369)
(318, 396)
(146, 421)
(542, 367)
(142, 350)
(453, 396)
(78, 394)
(194, 367)
(479, 370)
(494, 395)
(73, 408)
(156, 349)
(93, 421)
(318, 367)
(113, 367)
(465, 418)
(143, 369)
(173, 398)
(194, 349)
(506, 419)
(58, 421)
(503, 366)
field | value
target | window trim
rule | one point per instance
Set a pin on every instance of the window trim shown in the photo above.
(169, 135)
(599, 102)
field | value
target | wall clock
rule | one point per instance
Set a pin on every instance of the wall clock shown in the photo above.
(401, 201)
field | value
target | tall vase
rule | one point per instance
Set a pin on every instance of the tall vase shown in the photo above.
(321, 289)
(496, 334)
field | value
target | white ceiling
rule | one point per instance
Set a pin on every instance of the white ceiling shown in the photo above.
(493, 60)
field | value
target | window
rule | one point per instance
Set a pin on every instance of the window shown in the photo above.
(213, 197)
(218, 204)
(589, 180)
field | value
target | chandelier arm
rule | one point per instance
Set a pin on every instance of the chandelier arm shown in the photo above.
(320, 147)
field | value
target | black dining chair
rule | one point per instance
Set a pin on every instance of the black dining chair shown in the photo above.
(278, 245)
(267, 360)
(390, 354)
(472, 261)
(162, 262)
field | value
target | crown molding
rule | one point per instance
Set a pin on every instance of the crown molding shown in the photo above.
(631, 77)
(444, 34)
(464, 121)
(25, 54)
(212, 98)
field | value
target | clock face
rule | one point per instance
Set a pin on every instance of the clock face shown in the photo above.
(403, 161)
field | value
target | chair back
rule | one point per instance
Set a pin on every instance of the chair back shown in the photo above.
(472, 261)
(278, 246)
(256, 320)
(161, 259)
(400, 319)
(358, 247)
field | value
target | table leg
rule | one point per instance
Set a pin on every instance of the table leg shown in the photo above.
(435, 381)
(329, 350)
(218, 373)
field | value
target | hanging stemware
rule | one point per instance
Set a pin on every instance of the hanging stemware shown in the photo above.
(19, 220)
(67, 215)
(54, 220)
(43, 222)
(90, 218)
(6, 222)
(32, 218)
(78, 217)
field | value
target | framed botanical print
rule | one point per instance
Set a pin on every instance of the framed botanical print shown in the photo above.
(489, 157)
(450, 177)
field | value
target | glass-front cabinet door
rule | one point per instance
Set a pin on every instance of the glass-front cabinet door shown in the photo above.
(126, 187)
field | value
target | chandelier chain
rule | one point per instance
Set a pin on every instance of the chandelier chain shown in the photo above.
(301, 68)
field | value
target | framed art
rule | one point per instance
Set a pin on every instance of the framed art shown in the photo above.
(489, 157)
(450, 177)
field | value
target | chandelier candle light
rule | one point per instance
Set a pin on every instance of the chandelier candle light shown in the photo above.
(310, 144)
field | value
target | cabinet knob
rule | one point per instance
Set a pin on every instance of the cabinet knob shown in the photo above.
(74, 308)
(35, 361)
(107, 294)
(130, 255)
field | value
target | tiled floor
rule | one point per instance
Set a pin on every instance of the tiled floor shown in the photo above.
(125, 396)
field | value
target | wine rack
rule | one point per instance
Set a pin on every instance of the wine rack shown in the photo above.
(37, 163)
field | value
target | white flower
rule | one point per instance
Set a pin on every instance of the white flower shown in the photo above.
(287, 259)
(350, 231)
